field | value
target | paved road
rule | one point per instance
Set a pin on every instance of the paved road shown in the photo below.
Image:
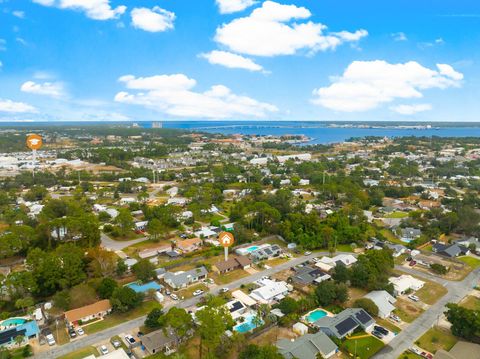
(113, 245)
(406, 338)
(133, 324)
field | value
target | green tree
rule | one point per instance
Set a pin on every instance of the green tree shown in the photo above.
(341, 273)
(106, 288)
(155, 228)
(124, 221)
(24, 303)
(465, 322)
(253, 351)
(124, 299)
(288, 305)
(368, 305)
(144, 270)
(121, 267)
(153, 318)
(179, 320)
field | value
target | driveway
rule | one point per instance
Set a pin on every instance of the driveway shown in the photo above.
(114, 245)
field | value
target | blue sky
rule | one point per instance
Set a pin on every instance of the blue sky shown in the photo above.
(239, 59)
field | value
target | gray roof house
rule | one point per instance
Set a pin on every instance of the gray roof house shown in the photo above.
(307, 346)
(344, 323)
(182, 279)
(307, 275)
(410, 233)
(160, 341)
(266, 253)
(450, 250)
(383, 300)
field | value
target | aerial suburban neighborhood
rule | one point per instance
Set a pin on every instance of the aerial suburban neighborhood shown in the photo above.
(152, 243)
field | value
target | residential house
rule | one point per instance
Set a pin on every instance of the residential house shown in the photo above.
(266, 253)
(409, 234)
(206, 233)
(183, 279)
(28, 330)
(460, 350)
(88, 313)
(404, 283)
(397, 249)
(384, 301)
(189, 245)
(450, 250)
(270, 291)
(307, 275)
(160, 342)
(244, 298)
(327, 263)
(233, 263)
(345, 322)
(236, 308)
(308, 346)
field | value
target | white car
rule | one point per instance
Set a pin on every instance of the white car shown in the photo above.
(174, 296)
(103, 350)
(130, 340)
(395, 318)
(50, 339)
(80, 331)
(197, 292)
(413, 297)
(224, 290)
(307, 253)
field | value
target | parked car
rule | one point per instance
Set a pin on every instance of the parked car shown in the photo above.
(395, 318)
(130, 340)
(50, 339)
(103, 350)
(72, 333)
(307, 253)
(80, 331)
(116, 344)
(174, 296)
(197, 292)
(224, 290)
(167, 292)
(381, 329)
(377, 334)
(412, 263)
(413, 297)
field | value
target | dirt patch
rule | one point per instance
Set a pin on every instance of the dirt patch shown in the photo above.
(407, 310)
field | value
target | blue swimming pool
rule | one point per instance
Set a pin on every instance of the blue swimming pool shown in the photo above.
(315, 315)
(247, 326)
(13, 322)
(251, 249)
(141, 288)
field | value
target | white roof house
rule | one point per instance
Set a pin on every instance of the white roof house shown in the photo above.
(269, 291)
(327, 263)
(383, 300)
(405, 282)
(244, 298)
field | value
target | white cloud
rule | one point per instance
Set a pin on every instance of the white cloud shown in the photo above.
(174, 95)
(19, 14)
(273, 29)
(400, 36)
(230, 60)
(231, 6)
(3, 45)
(94, 9)
(52, 89)
(411, 109)
(365, 85)
(154, 20)
(15, 107)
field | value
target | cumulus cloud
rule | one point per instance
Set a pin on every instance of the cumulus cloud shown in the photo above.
(174, 95)
(94, 9)
(276, 29)
(365, 85)
(411, 109)
(19, 14)
(231, 6)
(399, 36)
(15, 107)
(152, 20)
(230, 60)
(51, 89)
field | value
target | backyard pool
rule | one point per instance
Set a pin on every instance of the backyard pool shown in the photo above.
(13, 322)
(247, 326)
(315, 315)
(141, 288)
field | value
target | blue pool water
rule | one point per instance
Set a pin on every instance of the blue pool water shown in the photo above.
(312, 317)
(13, 321)
(251, 249)
(247, 326)
(141, 288)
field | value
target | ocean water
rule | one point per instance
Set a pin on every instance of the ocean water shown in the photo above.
(319, 132)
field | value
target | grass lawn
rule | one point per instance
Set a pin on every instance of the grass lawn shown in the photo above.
(344, 248)
(62, 337)
(390, 236)
(436, 339)
(276, 261)
(81, 353)
(431, 292)
(397, 214)
(188, 292)
(388, 324)
(228, 277)
(471, 261)
(409, 355)
(365, 348)
(407, 310)
(118, 318)
(471, 302)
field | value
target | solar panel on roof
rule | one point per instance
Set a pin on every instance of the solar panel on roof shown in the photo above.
(363, 317)
(268, 251)
(8, 335)
(236, 306)
(346, 326)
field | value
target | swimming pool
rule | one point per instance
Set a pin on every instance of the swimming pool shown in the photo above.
(13, 321)
(247, 326)
(315, 315)
(141, 288)
(251, 249)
